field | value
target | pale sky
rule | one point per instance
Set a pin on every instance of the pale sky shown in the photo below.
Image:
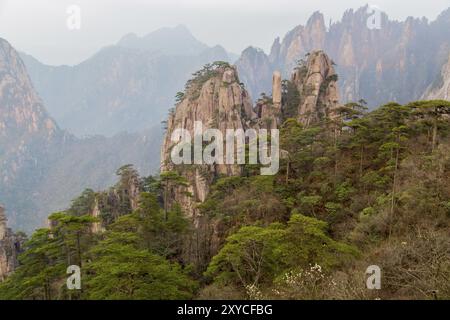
(38, 27)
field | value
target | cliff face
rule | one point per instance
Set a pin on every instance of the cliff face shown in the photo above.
(42, 168)
(373, 64)
(316, 82)
(440, 89)
(27, 133)
(217, 100)
(10, 245)
(298, 42)
(23, 117)
(121, 199)
(255, 71)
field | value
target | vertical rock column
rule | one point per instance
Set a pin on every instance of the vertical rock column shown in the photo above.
(8, 254)
(316, 82)
(276, 90)
(2, 223)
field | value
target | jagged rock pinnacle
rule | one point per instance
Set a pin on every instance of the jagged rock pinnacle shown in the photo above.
(316, 81)
(276, 89)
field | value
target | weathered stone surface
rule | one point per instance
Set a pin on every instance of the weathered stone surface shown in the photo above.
(22, 109)
(2, 223)
(440, 89)
(97, 227)
(219, 103)
(276, 89)
(268, 115)
(126, 192)
(316, 82)
(9, 247)
(228, 76)
(42, 168)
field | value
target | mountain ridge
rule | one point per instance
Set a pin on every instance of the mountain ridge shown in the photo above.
(125, 87)
(372, 64)
(42, 166)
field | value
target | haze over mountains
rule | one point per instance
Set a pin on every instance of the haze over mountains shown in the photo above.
(440, 88)
(397, 62)
(42, 167)
(124, 87)
(118, 98)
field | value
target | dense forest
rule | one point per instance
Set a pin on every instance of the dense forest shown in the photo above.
(367, 188)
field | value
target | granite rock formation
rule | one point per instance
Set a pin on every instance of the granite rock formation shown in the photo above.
(396, 62)
(316, 82)
(440, 89)
(42, 167)
(10, 246)
(217, 99)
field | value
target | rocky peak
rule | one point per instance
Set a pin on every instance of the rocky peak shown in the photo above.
(255, 70)
(276, 89)
(178, 40)
(374, 64)
(298, 42)
(216, 98)
(316, 29)
(444, 16)
(316, 80)
(268, 109)
(26, 129)
(21, 111)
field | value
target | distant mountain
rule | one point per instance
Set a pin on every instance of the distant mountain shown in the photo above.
(167, 41)
(397, 62)
(127, 87)
(42, 167)
(255, 71)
